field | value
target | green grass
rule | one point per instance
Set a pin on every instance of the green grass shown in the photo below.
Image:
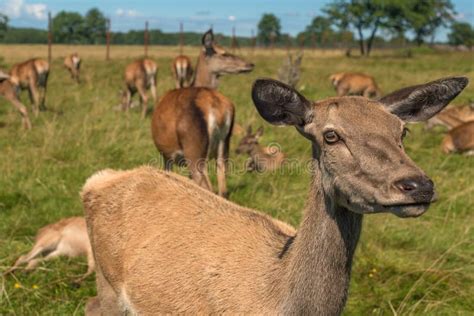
(402, 266)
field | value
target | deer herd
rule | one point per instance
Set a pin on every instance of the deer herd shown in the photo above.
(164, 244)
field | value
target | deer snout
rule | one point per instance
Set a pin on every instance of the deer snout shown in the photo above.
(420, 189)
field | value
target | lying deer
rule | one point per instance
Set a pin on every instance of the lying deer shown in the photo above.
(68, 237)
(182, 71)
(194, 124)
(73, 64)
(139, 76)
(347, 83)
(197, 253)
(32, 75)
(8, 91)
(460, 139)
(452, 117)
(261, 158)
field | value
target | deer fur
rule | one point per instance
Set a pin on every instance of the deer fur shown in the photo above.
(193, 125)
(163, 245)
(140, 76)
(8, 91)
(460, 139)
(261, 158)
(32, 75)
(347, 83)
(183, 71)
(452, 117)
(67, 237)
(72, 63)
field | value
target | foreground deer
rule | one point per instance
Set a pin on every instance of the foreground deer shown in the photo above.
(165, 246)
(460, 139)
(32, 75)
(68, 237)
(347, 83)
(261, 158)
(195, 123)
(452, 117)
(73, 64)
(8, 91)
(182, 71)
(139, 77)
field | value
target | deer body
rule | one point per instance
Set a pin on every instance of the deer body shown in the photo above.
(32, 75)
(195, 124)
(8, 91)
(73, 64)
(452, 117)
(197, 253)
(68, 237)
(347, 83)
(183, 71)
(460, 139)
(140, 76)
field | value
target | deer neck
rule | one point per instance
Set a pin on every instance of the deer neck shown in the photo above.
(204, 77)
(319, 264)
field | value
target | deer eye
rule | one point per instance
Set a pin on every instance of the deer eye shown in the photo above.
(331, 137)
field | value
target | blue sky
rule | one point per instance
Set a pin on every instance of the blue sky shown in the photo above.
(166, 14)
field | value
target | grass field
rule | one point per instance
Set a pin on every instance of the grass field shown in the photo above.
(402, 266)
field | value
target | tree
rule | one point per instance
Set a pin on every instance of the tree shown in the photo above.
(68, 27)
(95, 25)
(268, 29)
(320, 29)
(3, 25)
(462, 33)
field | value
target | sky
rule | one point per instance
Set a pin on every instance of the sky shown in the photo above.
(196, 16)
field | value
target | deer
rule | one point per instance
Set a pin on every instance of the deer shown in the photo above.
(67, 237)
(194, 125)
(460, 139)
(140, 76)
(452, 117)
(8, 92)
(72, 63)
(182, 70)
(261, 158)
(198, 253)
(32, 75)
(348, 83)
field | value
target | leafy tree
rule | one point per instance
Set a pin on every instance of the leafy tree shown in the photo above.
(320, 29)
(68, 27)
(269, 27)
(462, 33)
(95, 25)
(3, 25)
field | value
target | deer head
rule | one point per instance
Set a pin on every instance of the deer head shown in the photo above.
(249, 142)
(357, 142)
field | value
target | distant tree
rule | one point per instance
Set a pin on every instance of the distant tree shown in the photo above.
(3, 25)
(462, 33)
(319, 29)
(269, 27)
(68, 27)
(95, 25)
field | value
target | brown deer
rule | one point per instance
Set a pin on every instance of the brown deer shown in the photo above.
(182, 71)
(32, 75)
(347, 83)
(197, 253)
(73, 64)
(460, 139)
(194, 124)
(452, 117)
(68, 237)
(8, 91)
(139, 77)
(261, 158)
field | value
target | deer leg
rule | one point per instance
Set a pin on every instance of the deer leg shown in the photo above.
(24, 113)
(90, 267)
(93, 307)
(198, 170)
(342, 90)
(153, 89)
(221, 168)
(34, 95)
(36, 251)
(143, 100)
(109, 302)
(128, 100)
(168, 163)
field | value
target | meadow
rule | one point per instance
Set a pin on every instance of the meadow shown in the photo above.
(402, 266)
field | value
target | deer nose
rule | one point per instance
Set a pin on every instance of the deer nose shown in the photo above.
(417, 186)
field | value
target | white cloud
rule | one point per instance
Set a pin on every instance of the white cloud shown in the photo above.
(127, 13)
(18, 8)
(232, 18)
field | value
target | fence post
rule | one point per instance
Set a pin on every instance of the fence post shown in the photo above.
(50, 37)
(107, 41)
(233, 44)
(146, 38)
(181, 39)
(253, 42)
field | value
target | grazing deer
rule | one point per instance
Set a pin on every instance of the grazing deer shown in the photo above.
(68, 237)
(460, 139)
(32, 75)
(290, 71)
(347, 83)
(194, 124)
(163, 245)
(261, 158)
(182, 71)
(139, 77)
(8, 91)
(73, 64)
(452, 117)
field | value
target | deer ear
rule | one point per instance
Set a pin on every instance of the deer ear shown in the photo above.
(208, 40)
(421, 102)
(280, 104)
